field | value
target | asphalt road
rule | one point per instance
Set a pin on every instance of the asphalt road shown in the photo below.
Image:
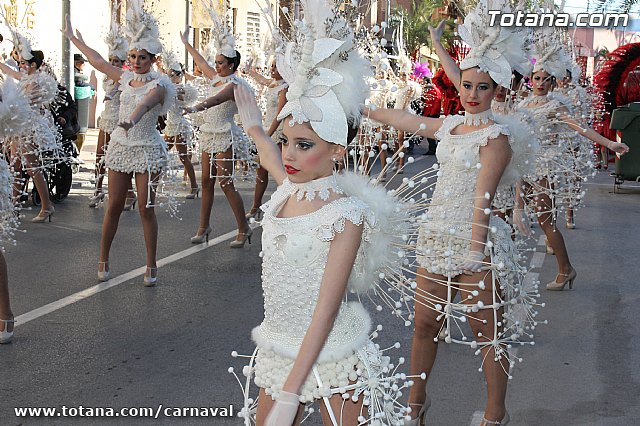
(120, 344)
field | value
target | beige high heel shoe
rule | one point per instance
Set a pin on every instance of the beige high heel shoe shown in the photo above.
(150, 276)
(193, 194)
(244, 237)
(559, 286)
(422, 414)
(104, 274)
(130, 203)
(44, 215)
(199, 238)
(6, 336)
(503, 422)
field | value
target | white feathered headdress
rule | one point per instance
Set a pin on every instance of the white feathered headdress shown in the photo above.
(21, 42)
(327, 75)
(171, 61)
(494, 49)
(115, 40)
(222, 39)
(142, 28)
(550, 54)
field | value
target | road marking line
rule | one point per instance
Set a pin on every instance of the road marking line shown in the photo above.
(84, 294)
(542, 240)
(71, 229)
(537, 260)
(476, 418)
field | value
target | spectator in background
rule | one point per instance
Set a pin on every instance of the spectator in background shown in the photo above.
(432, 101)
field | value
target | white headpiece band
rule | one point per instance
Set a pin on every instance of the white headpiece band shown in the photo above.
(142, 28)
(326, 73)
(494, 49)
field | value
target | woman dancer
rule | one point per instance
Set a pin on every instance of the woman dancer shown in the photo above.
(136, 147)
(219, 131)
(461, 247)
(41, 89)
(108, 120)
(276, 97)
(15, 116)
(179, 132)
(553, 161)
(312, 344)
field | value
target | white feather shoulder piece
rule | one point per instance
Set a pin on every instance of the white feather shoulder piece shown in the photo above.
(383, 238)
(14, 110)
(524, 145)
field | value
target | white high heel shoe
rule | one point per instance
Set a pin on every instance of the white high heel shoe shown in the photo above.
(420, 420)
(150, 276)
(503, 422)
(6, 336)
(104, 274)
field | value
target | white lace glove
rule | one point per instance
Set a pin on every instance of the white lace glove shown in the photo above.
(473, 262)
(521, 221)
(284, 410)
(248, 110)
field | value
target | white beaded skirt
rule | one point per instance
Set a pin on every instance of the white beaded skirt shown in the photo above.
(135, 159)
(272, 370)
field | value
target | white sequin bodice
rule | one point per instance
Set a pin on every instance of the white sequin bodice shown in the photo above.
(188, 95)
(145, 132)
(272, 103)
(111, 106)
(542, 114)
(459, 161)
(219, 118)
(295, 252)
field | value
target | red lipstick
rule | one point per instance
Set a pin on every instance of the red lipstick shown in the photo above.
(291, 170)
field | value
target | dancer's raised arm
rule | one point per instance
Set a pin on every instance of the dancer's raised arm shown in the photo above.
(448, 64)
(251, 117)
(207, 70)
(10, 71)
(95, 59)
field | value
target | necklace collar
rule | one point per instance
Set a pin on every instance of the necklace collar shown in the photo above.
(478, 119)
(499, 106)
(224, 79)
(147, 76)
(317, 188)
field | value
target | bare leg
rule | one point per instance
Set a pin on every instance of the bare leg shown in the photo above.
(225, 168)
(118, 183)
(148, 214)
(262, 180)
(31, 164)
(399, 150)
(181, 147)
(208, 188)
(543, 206)
(346, 412)
(496, 373)
(103, 140)
(5, 306)
(424, 348)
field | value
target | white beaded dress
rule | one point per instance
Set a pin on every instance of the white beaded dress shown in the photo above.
(40, 89)
(177, 123)
(294, 256)
(108, 120)
(142, 149)
(271, 110)
(444, 238)
(219, 130)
